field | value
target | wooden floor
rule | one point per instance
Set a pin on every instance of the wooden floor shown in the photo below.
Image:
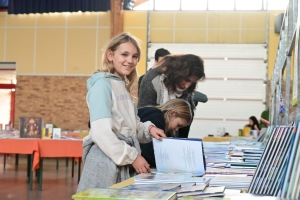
(57, 184)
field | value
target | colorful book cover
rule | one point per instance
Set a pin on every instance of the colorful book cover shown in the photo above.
(46, 133)
(111, 193)
(30, 127)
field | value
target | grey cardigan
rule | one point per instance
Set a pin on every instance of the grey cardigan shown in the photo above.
(150, 90)
(99, 170)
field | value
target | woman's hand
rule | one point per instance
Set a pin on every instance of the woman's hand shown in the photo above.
(156, 132)
(141, 165)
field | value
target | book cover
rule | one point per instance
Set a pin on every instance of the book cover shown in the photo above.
(111, 193)
(56, 133)
(46, 133)
(154, 186)
(168, 178)
(30, 127)
(181, 155)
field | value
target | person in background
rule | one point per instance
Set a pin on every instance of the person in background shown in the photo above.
(111, 151)
(159, 54)
(175, 77)
(253, 124)
(172, 115)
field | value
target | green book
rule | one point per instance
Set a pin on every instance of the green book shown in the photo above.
(112, 193)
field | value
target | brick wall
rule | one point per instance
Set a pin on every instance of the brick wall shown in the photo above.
(58, 100)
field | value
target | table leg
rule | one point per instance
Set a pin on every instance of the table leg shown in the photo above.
(28, 165)
(41, 174)
(4, 163)
(30, 171)
(79, 169)
(17, 159)
(73, 160)
(57, 163)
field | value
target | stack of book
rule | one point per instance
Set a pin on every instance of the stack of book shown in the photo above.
(231, 182)
(278, 172)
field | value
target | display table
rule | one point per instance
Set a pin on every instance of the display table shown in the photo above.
(59, 148)
(23, 146)
(38, 149)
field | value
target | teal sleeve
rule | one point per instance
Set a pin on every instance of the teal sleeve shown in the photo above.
(99, 99)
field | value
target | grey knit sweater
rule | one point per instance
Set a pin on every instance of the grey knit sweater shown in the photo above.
(150, 90)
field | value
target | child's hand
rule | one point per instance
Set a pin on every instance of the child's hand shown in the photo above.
(140, 165)
(156, 132)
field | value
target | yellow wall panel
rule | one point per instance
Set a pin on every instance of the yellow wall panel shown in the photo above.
(51, 19)
(272, 52)
(161, 19)
(223, 20)
(49, 52)
(21, 20)
(80, 56)
(161, 36)
(141, 34)
(103, 38)
(136, 18)
(223, 36)
(104, 19)
(185, 19)
(2, 18)
(272, 16)
(253, 36)
(82, 19)
(190, 36)
(20, 48)
(253, 20)
(2, 47)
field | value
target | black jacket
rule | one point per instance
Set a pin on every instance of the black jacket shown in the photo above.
(157, 118)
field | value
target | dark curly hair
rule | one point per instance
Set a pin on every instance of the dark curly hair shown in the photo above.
(180, 67)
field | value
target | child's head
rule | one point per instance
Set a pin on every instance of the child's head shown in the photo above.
(177, 114)
(182, 72)
(253, 121)
(160, 53)
(120, 56)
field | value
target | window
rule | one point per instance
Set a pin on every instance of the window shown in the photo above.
(248, 4)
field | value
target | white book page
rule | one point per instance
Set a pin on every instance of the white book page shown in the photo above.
(179, 155)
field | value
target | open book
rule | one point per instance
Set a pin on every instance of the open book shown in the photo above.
(179, 155)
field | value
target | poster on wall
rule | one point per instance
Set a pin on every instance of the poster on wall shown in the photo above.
(295, 80)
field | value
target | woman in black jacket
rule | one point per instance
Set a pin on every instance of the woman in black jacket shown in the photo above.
(170, 116)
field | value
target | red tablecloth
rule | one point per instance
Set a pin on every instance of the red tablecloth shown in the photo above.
(21, 146)
(60, 148)
(41, 148)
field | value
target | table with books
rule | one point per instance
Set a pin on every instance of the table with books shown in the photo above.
(22, 146)
(59, 148)
(228, 172)
(38, 149)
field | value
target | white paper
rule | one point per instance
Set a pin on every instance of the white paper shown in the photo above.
(180, 155)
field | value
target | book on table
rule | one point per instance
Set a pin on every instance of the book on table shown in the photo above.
(112, 193)
(179, 155)
(56, 133)
(46, 133)
(31, 127)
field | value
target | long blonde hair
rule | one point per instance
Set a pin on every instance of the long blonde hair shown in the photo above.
(182, 108)
(112, 45)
